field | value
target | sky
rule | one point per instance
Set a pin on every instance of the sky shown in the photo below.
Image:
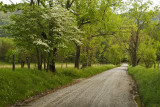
(156, 2)
(8, 2)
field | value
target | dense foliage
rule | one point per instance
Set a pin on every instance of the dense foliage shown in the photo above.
(86, 32)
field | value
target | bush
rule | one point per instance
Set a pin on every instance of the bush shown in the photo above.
(147, 52)
(5, 45)
(149, 57)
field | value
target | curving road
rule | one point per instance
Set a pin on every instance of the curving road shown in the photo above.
(108, 89)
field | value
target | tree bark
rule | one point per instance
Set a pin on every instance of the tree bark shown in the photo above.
(77, 60)
(48, 62)
(133, 46)
(31, 3)
(13, 68)
(44, 64)
(28, 62)
(22, 64)
(52, 64)
(134, 58)
(38, 60)
(41, 61)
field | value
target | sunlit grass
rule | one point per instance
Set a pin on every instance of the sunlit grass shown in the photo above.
(148, 82)
(34, 66)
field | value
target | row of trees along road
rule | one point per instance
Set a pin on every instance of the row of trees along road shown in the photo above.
(98, 29)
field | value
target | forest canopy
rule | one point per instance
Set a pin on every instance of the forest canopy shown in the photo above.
(82, 32)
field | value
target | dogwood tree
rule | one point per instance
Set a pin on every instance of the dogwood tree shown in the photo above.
(31, 29)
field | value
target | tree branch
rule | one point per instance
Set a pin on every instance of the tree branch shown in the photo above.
(11, 1)
(68, 5)
(73, 12)
(72, 2)
(87, 22)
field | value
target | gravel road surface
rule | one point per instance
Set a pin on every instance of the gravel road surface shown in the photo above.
(108, 89)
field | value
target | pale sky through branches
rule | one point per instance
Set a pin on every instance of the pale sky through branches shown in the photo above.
(156, 2)
(8, 2)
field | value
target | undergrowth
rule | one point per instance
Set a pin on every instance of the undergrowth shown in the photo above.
(148, 82)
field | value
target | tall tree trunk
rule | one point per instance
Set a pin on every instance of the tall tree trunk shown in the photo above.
(22, 64)
(13, 68)
(47, 66)
(138, 61)
(133, 46)
(41, 61)
(77, 60)
(44, 64)
(134, 58)
(28, 63)
(48, 62)
(52, 64)
(85, 57)
(134, 62)
(38, 60)
(31, 3)
(38, 2)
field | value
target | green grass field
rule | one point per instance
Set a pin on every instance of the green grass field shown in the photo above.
(23, 83)
(34, 66)
(148, 82)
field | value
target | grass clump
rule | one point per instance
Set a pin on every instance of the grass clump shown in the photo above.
(148, 82)
(23, 83)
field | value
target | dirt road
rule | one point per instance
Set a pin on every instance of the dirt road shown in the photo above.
(108, 89)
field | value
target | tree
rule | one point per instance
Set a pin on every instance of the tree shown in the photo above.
(31, 29)
(141, 16)
(115, 54)
(91, 14)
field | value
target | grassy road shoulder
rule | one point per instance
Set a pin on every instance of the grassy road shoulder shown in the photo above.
(23, 83)
(148, 83)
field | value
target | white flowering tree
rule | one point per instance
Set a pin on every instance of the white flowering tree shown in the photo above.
(44, 30)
